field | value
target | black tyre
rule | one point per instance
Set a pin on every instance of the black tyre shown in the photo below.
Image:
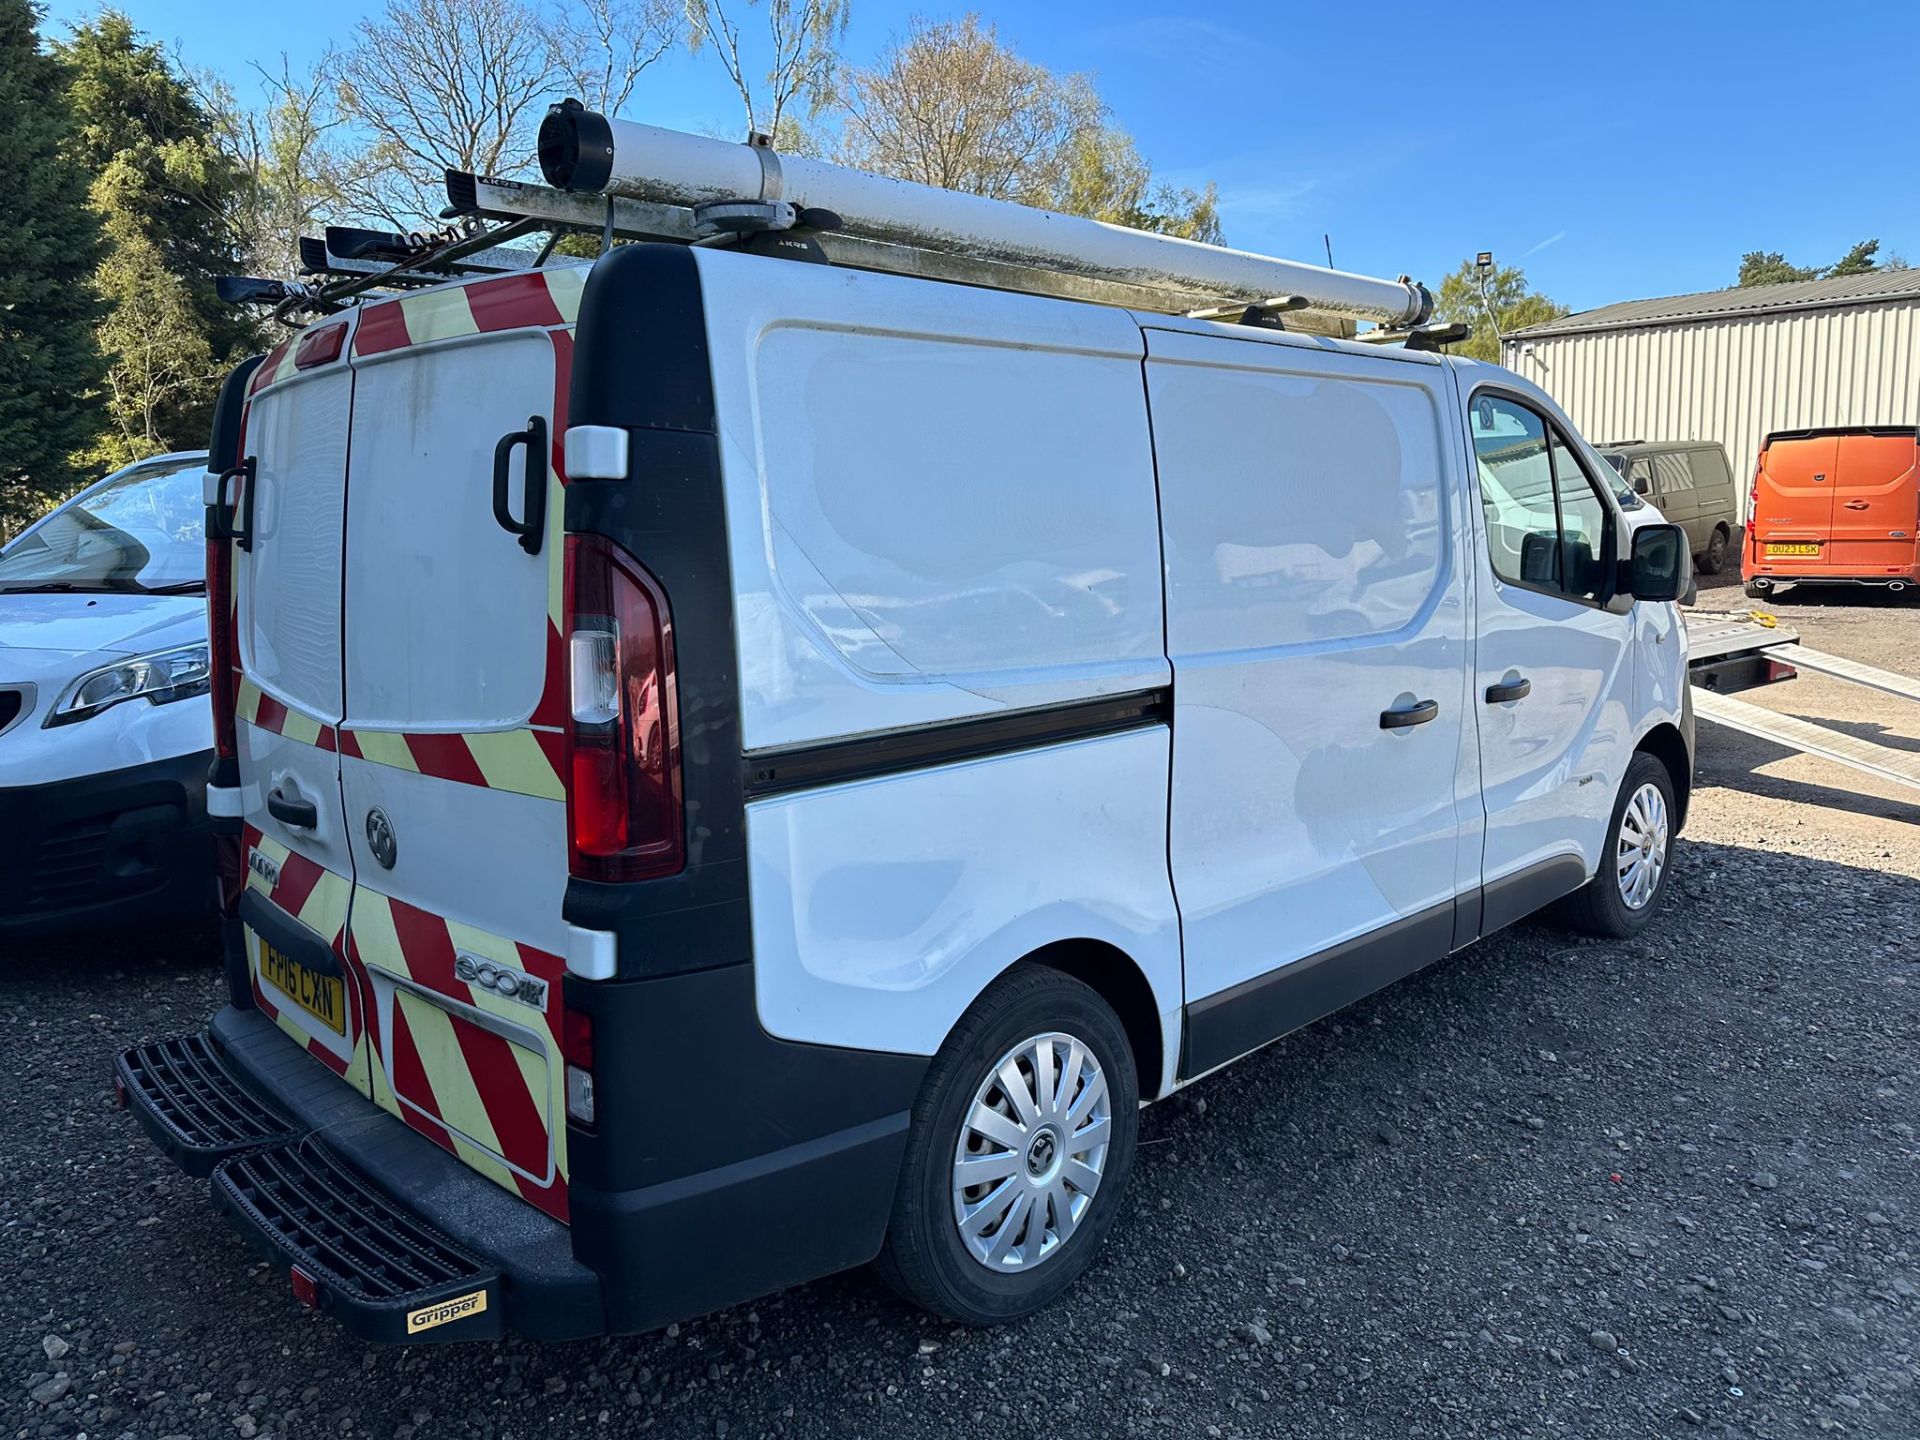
(1756, 591)
(1625, 893)
(1715, 559)
(1001, 1238)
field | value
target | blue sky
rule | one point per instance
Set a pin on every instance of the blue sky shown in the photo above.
(1616, 152)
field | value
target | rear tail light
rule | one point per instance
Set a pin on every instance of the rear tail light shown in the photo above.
(624, 808)
(576, 1046)
(220, 646)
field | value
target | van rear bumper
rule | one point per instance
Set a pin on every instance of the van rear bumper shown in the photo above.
(682, 1242)
(337, 1142)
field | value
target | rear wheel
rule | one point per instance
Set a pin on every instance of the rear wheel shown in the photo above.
(1758, 589)
(1625, 893)
(1022, 1140)
(1715, 560)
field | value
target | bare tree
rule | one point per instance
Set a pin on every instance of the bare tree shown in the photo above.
(804, 37)
(950, 105)
(605, 45)
(289, 147)
(437, 85)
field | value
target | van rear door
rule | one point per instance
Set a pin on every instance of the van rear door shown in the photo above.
(287, 621)
(1875, 504)
(451, 743)
(1794, 507)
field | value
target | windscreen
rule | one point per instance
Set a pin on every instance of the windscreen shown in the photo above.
(143, 530)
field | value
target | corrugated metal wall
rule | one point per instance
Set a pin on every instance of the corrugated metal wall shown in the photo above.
(1734, 380)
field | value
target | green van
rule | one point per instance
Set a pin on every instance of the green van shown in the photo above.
(1691, 484)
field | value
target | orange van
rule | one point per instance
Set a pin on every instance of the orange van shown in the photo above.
(1838, 506)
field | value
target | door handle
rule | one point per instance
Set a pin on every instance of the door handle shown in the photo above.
(226, 524)
(1509, 690)
(1858, 505)
(1418, 713)
(302, 814)
(532, 526)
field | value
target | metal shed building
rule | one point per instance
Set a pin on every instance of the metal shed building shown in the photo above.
(1733, 365)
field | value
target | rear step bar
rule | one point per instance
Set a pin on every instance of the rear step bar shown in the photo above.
(192, 1106)
(353, 1253)
(383, 1272)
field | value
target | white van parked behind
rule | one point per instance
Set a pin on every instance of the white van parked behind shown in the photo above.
(749, 767)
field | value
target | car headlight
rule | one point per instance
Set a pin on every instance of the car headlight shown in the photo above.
(164, 676)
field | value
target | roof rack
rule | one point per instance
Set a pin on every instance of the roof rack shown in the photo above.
(583, 152)
(738, 223)
(621, 181)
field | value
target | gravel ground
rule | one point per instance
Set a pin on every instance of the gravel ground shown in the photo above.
(1550, 1187)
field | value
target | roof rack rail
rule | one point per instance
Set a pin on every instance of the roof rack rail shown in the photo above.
(618, 217)
(1433, 337)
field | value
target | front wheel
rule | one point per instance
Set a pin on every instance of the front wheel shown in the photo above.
(1021, 1142)
(1625, 893)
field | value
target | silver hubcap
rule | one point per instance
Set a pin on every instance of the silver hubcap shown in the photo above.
(1642, 851)
(1031, 1152)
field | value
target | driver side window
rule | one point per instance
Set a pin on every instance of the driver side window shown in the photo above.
(1547, 527)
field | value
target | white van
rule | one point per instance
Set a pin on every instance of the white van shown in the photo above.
(748, 767)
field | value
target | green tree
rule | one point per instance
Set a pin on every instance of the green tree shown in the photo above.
(1507, 295)
(1107, 178)
(170, 200)
(1857, 261)
(49, 243)
(1770, 267)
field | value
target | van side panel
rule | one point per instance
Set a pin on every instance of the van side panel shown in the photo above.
(1313, 523)
(941, 500)
(941, 508)
(881, 909)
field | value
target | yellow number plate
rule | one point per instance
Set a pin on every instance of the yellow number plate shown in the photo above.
(321, 996)
(1793, 549)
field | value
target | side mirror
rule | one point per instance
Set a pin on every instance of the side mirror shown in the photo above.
(1661, 566)
(1640, 485)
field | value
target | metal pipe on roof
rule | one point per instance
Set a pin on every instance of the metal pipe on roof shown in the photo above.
(584, 151)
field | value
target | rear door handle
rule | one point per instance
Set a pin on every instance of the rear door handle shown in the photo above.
(1509, 690)
(302, 814)
(532, 524)
(1418, 713)
(1858, 505)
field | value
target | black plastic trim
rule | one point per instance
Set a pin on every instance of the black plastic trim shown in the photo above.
(803, 767)
(1234, 1022)
(1516, 896)
(1818, 431)
(229, 409)
(146, 828)
(640, 364)
(733, 1190)
(297, 942)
